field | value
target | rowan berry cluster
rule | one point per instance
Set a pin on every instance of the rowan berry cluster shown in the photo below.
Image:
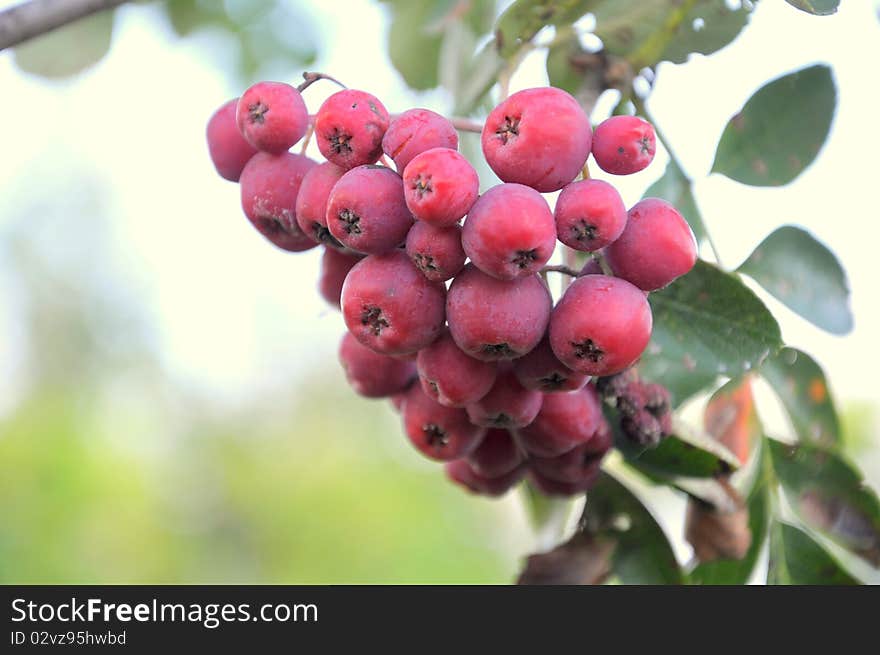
(453, 321)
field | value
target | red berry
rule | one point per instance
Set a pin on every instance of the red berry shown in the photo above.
(390, 306)
(415, 131)
(461, 473)
(623, 144)
(438, 432)
(370, 374)
(496, 455)
(565, 421)
(537, 137)
(436, 251)
(335, 266)
(589, 214)
(311, 203)
(349, 127)
(493, 319)
(269, 187)
(579, 465)
(542, 371)
(507, 405)
(272, 116)
(366, 210)
(509, 232)
(228, 148)
(600, 326)
(440, 186)
(451, 377)
(656, 247)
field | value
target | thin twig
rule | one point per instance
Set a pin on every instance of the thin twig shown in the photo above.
(311, 78)
(31, 19)
(561, 268)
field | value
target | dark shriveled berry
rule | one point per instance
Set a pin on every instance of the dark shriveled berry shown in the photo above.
(390, 306)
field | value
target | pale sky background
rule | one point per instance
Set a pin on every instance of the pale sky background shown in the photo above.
(235, 318)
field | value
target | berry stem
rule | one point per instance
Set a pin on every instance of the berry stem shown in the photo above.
(310, 130)
(311, 78)
(566, 270)
(641, 108)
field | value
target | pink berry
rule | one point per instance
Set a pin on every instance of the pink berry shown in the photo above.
(542, 371)
(451, 377)
(272, 116)
(581, 464)
(656, 247)
(601, 325)
(496, 455)
(311, 203)
(623, 144)
(565, 421)
(269, 187)
(349, 127)
(438, 432)
(509, 232)
(589, 214)
(366, 210)
(507, 405)
(537, 137)
(370, 374)
(415, 131)
(335, 266)
(492, 319)
(440, 186)
(228, 148)
(389, 305)
(436, 251)
(461, 473)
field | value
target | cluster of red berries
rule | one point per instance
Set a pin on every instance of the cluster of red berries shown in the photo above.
(504, 377)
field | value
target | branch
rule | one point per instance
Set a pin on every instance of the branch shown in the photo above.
(30, 19)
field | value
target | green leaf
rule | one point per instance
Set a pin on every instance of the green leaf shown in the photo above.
(736, 572)
(69, 49)
(642, 554)
(482, 74)
(687, 454)
(816, 7)
(413, 51)
(649, 31)
(801, 386)
(829, 495)
(525, 18)
(762, 145)
(804, 275)
(675, 187)
(795, 559)
(707, 323)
